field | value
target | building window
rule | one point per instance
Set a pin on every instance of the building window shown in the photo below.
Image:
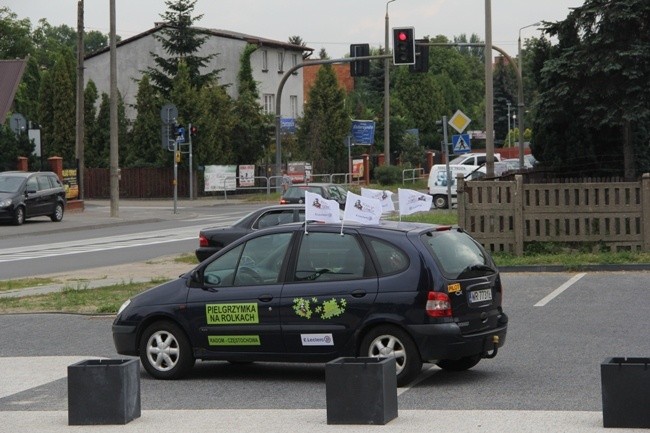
(294, 62)
(280, 62)
(293, 100)
(265, 61)
(269, 103)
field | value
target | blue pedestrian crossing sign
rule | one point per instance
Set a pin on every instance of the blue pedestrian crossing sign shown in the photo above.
(461, 143)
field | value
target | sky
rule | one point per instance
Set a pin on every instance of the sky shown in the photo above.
(329, 24)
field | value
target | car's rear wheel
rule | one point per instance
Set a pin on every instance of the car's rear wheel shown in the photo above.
(390, 341)
(440, 201)
(57, 216)
(165, 351)
(19, 215)
(461, 364)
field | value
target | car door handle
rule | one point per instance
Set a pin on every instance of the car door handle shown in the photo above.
(265, 298)
(359, 293)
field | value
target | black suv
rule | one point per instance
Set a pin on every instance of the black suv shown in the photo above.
(25, 195)
(290, 293)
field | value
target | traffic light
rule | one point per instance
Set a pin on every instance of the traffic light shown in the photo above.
(360, 68)
(421, 56)
(193, 131)
(178, 156)
(403, 46)
(180, 133)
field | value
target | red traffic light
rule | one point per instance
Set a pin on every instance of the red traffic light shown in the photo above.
(403, 45)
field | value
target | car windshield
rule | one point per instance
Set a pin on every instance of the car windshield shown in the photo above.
(458, 255)
(10, 183)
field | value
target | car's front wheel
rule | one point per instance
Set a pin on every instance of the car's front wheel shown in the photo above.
(19, 215)
(165, 351)
(57, 216)
(390, 341)
(461, 364)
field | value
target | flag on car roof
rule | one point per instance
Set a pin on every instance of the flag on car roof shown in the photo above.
(411, 201)
(385, 197)
(363, 210)
(320, 209)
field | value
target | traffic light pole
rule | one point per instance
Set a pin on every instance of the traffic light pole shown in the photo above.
(189, 129)
(278, 101)
(175, 175)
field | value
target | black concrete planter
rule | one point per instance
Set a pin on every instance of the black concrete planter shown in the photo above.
(103, 391)
(626, 392)
(361, 390)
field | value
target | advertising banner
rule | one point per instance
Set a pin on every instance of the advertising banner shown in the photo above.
(247, 175)
(220, 177)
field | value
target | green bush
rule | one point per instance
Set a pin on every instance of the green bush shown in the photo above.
(388, 174)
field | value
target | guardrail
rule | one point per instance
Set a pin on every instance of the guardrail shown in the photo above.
(415, 174)
(271, 182)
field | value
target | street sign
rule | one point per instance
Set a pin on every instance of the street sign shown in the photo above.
(168, 113)
(461, 143)
(459, 121)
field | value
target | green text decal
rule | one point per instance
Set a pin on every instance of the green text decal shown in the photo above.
(234, 340)
(231, 314)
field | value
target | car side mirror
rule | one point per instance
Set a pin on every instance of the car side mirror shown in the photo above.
(196, 278)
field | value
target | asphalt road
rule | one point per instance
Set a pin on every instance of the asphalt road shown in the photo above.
(551, 361)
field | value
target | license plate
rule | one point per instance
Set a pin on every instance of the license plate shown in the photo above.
(480, 295)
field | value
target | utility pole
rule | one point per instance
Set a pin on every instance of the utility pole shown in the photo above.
(114, 160)
(80, 99)
(489, 92)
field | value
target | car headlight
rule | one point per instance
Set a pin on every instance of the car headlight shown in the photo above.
(123, 307)
(5, 203)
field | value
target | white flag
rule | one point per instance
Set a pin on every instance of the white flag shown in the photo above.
(363, 210)
(320, 209)
(386, 198)
(412, 201)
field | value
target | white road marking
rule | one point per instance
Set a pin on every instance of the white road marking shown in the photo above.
(107, 243)
(555, 293)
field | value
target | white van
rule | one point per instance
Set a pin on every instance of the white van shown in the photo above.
(473, 159)
(471, 165)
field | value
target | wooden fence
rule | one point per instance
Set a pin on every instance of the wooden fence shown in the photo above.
(138, 183)
(506, 215)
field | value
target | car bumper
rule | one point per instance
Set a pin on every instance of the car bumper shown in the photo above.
(203, 253)
(124, 339)
(445, 341)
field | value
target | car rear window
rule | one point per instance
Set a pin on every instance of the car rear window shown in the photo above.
(458, 255)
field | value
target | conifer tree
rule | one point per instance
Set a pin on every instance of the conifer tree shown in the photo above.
(180, 41)
(325, 124)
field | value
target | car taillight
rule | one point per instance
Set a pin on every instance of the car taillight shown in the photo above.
(283, 201)
(203, 241)
(438, 305)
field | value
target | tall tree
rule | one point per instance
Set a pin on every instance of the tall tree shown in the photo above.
(62, 139)
(97, 150)
(250, 133)
(325, 124)
(16, 39)
(145, 146)
(215, 125)
(90, 120)
(592, 112)
(180, 41)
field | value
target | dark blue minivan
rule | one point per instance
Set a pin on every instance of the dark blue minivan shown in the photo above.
(420, 293)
